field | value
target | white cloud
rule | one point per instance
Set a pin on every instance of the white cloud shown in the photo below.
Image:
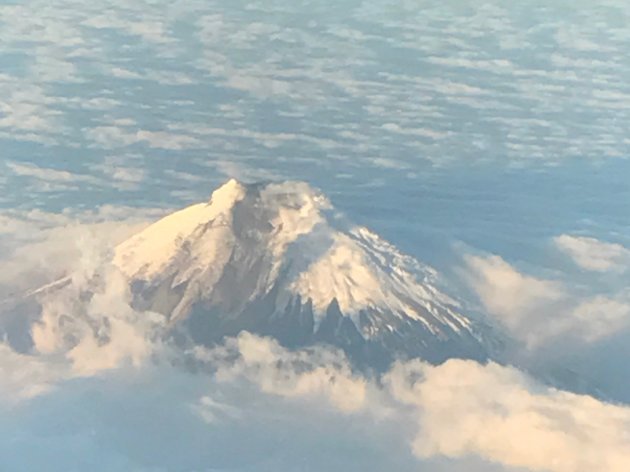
(47, 179)
(512, 297)
(165, 140)
(122, 173)
(89, 321)
(417, 132)
(456, 410)
(42, 173)
(51, 65)
(539, 311)
(499, 414)
(492, 65)
(241, 171)
(109, 137)
(35, 247)
(600, 316)
(593, 254)
(459, 408)
(25, 377)
(122, 73)
(152, 30)
(104, 332)
(275, 370)
(268, 140)
(26, 108)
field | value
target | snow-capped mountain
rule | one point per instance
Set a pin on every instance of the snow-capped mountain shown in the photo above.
(275, 259)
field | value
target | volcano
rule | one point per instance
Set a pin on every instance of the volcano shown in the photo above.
(275, 259)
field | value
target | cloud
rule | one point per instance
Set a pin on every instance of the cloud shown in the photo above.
(497, 66)
(170, 141)
(460, 408)
(150, 29)
(305, 75)
(251, 415)
(99, 372)
(539, 311)
(35, 248)
(292, 89)
(121, 173)
(416, 132)
(47, 179)
(501, 415)
(86, 323)
(242, 171)
(599, 317)
(275, 370)
(101, 333)
(121, 73)
(26, 109)
(110, 137)
(42, 173)
(164, 419)
(594, 255)
(25, 377)
(514, 298)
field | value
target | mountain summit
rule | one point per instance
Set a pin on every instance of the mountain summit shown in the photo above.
(275, 259)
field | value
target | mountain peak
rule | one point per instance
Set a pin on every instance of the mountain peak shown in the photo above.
(259, 253)
(228, 194)
(257, 219)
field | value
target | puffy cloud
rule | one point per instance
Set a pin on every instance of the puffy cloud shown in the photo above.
(520, 302)
(506, 292)
(141, 419)
(593, 254)
(319, 372)
(47, 179)
(538, 310)
(460, 408)
(39, 247)
(110, 137)
(498, 413)
(25, 377)
(90, 336)
(600, 316)
(85, 322)
(478, 417)
(121, 173)
(80, 333)
(164, 419)
(94, 325)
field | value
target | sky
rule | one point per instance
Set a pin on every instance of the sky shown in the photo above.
(488, 139)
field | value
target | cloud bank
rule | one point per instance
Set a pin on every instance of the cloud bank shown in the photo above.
(101, 389)
(538, 310)
(594, 255)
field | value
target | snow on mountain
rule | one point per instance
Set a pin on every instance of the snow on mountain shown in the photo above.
(277, 260)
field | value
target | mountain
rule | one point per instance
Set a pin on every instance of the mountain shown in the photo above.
(275, 259)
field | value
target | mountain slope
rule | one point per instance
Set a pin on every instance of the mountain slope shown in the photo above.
(275, 259)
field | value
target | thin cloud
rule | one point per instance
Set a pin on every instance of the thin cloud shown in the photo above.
(594, 255)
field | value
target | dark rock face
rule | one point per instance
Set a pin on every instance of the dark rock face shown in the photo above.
(15, 327)
(294, 327)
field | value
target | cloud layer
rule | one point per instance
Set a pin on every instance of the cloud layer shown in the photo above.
(285, 90)
(594, 255)
(458, 410)
(538, 310)
(99, 372)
